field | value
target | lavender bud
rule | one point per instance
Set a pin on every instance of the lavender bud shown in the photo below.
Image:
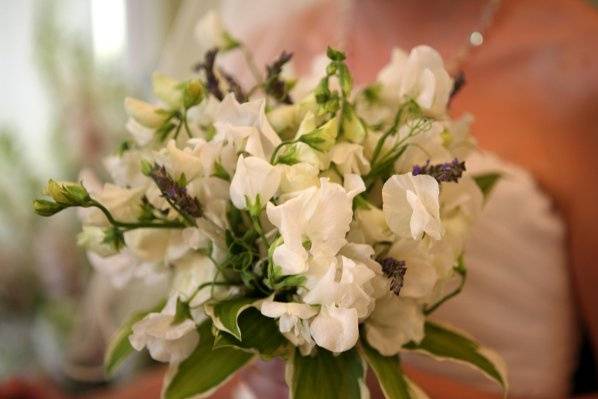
(394, 270)
(442, 172)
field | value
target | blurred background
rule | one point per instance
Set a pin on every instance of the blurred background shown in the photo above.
(66, 66)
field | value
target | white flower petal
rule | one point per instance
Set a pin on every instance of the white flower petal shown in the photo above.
(411, 205)
(253, 178)
(335, 329)
(394, 322)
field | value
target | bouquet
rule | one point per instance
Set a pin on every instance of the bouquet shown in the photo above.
(305, 219)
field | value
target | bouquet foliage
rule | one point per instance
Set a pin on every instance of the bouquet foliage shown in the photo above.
(306, 219)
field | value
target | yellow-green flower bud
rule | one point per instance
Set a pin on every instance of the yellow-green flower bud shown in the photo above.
(193, 93)
(324, 137)
(145, 113)
(46, 208)
(67, 193)
(168, 90)
(352, 127)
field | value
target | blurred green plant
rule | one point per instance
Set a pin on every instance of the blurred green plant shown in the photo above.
(86, 97)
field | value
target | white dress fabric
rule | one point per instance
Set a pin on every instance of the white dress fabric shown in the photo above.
(517, 299)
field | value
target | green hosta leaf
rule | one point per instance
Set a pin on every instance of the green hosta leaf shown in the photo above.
(394, 384)
(444, 343)
(205, 369)
(225, 313)
(486, 182)
(260, 334)
(326, 376)
(120, 347)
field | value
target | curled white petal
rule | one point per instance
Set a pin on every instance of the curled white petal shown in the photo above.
(335, 329)
(411, 205)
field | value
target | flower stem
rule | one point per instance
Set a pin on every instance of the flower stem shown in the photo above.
(463, 274)
(250, 61)
(137, 225)
(279, 147)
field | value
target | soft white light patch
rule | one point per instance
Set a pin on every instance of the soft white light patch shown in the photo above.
(108, 19)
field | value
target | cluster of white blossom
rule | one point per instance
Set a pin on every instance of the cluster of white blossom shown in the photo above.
(341, 210)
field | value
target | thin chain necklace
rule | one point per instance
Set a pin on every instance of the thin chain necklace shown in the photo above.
(476, 38)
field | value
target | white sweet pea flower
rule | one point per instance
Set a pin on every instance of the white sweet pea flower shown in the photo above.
(457, 138)
(411, 207)
(119, 268)
(297, 177)
(353, 185)
(247, 126)
(425, 146)
(420, 76)
(150, 245)
(314, 222)
(463, 197)
(254, 183)
(178, 162)
(210, 32)
(335, 329)
(191, 272)
(92, 239)
(292, 321)
(370, 225)
(349, 158)
(461, 205)
(144, 113)
(393, 323)
(351, 290)
(141, 134)
(124, 169)
(167, 339)
(213, 153)
(421, 275)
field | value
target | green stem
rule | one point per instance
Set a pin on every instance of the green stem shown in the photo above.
(131, 226)
(279, 146)
(189, 221)
(209, 284)
(186, 124)
(388, 132)
(250, 61)
(257, 225)
(455, 292)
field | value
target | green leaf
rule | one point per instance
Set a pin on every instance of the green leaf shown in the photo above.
(486, 182)
(394, 384)
(326, 376)
(120, 347)
(205, 369)
(220, 172)
(260, 335)
(444, 343)
(225, 313)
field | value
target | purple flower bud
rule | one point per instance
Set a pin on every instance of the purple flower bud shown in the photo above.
(175, 194)
(395, 271)
(442, 172)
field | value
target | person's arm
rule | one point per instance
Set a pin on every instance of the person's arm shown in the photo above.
(439, 387)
